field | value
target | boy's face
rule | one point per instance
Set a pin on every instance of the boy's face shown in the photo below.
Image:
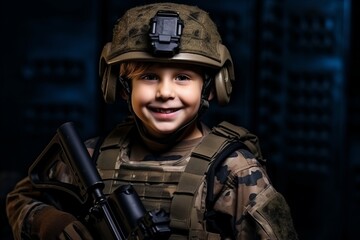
(167, 96)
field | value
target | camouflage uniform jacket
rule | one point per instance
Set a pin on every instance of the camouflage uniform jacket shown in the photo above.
(246, 204)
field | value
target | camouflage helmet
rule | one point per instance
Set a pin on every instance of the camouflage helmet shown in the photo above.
(198, 43)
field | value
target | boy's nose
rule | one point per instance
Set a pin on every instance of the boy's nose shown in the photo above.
(165, 89)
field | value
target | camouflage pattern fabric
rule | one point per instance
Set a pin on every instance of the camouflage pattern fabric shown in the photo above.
(247, 206)
(199, 36)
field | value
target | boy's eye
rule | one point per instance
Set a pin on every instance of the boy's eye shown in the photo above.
(149, 77)
(182, 77)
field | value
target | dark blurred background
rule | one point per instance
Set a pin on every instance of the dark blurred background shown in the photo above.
(297, 70)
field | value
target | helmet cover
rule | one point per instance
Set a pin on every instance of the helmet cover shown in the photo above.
(200, 43)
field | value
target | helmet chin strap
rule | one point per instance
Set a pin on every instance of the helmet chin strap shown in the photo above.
(166, 142)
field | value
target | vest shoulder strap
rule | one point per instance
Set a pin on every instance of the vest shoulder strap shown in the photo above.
(117, 136)
(109, 151)
(223, 139)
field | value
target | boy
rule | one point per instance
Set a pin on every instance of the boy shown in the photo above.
(167, 61)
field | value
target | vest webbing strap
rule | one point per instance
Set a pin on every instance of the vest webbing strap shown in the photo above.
(220, 142)
(191, 179)
(107, 159)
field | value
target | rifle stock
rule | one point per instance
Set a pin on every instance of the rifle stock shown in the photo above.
(119, 216)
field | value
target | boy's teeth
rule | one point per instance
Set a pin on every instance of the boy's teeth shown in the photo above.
(165, 110)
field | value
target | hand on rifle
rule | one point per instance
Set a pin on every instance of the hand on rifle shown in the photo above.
(50, 224)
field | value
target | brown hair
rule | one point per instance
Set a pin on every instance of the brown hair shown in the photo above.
(133, 70)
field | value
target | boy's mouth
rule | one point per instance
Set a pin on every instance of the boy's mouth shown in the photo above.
(164, 110)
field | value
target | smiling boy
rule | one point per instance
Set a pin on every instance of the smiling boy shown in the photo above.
(166, 97)
(167, 61)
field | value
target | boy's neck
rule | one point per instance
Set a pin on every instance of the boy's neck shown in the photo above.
(191, 131)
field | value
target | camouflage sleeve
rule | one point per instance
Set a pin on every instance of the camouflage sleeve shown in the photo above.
(254, 209)
(25, 201)
(21, 205)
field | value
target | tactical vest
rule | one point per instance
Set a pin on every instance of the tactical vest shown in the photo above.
(174, 188)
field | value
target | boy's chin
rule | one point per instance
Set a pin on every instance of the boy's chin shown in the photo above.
(163, 132)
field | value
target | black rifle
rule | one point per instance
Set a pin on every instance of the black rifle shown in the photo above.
(118, 216)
